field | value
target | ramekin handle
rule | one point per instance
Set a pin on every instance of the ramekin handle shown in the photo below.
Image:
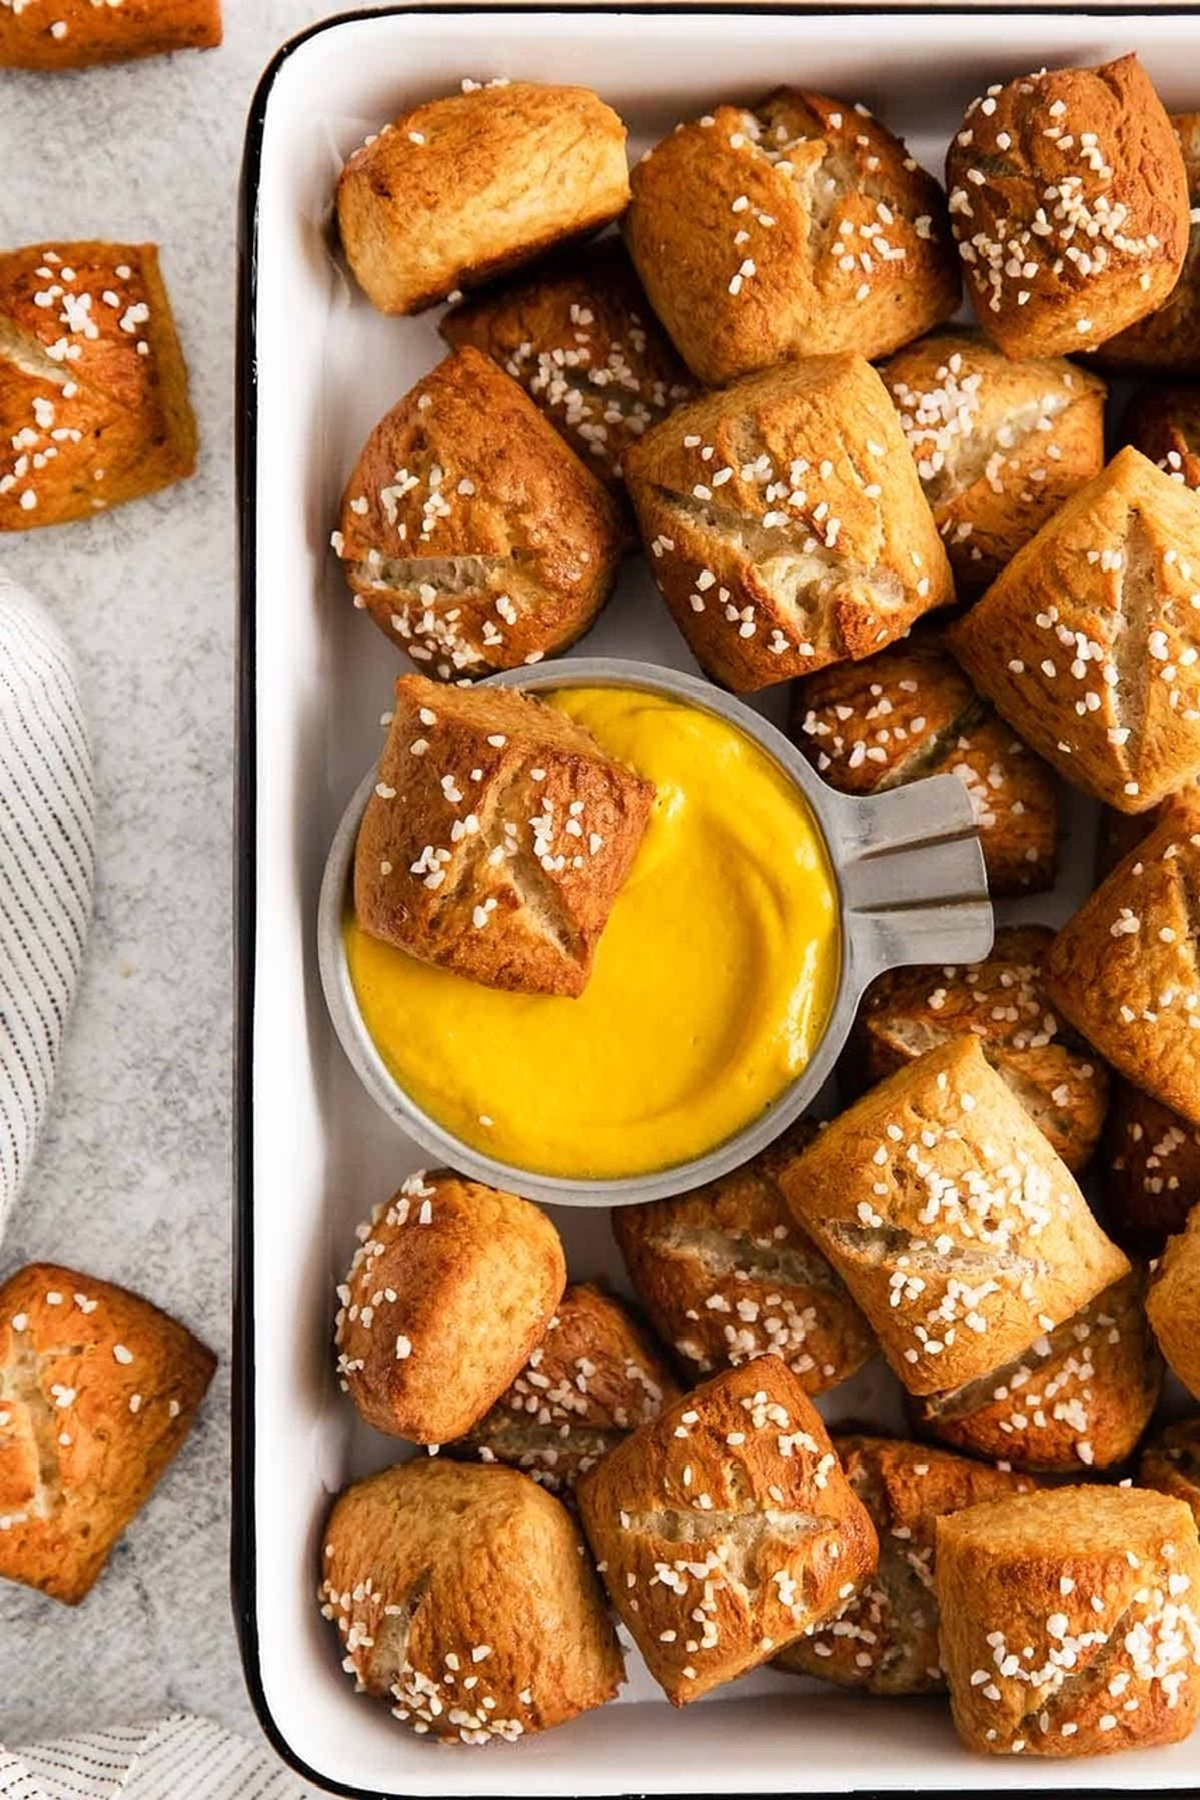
(914, 886)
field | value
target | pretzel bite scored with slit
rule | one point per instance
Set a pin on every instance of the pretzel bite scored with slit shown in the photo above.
(726, 1528)
(595, 1377)
(466, 187)
(1068, 1621)
(451, 1286)
(798, 227)
(1061, 1084)
(1069, 201)
(1086, 642)
(497, 838)
(957, 1229)
(727, 1274)
(466, 1598)
(1079, 1398)
(470, 531)
(582, 341)
(1123, 969)
(885, 1638)
(98, 1390)
(785, 523)
(94, 404)
(998, 444)
(910, 712)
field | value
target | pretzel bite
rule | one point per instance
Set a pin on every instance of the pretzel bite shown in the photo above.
(911, 712)
(77, 34)
(497, 839)
(885, 1639)
(1123, 970)
(727, 1274)
(582, 341)
(998, 444)
(1169, 340)
(957, 1229)
(465, 1597)
(94, 404)
(1079, 1398)
(98, 1390)
(1084, 643)
(1069, 200)
(1061, 1085)
(470, 531)
(785, 522)
(725, 1528)
(450, 1288)
(463, 188)
(595, 1376)
(1068, 1622)
(798, 227)
(1149, 1170)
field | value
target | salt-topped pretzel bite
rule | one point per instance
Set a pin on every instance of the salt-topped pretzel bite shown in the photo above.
(885, 1638)
(727, 1274)
(1085, 642)
(1149, 1169)
(785, 523)
(98, 1390)
(76, 34)
(1061, 1084)
(465, 1597)
(463, 188)
(1168, 339)
(470, 531)
(1123, 970)
(1171, 1463)
(497, 838)
(957, 1229)
(998, 444)
(451, 1286)
(581, 339)
(910, 712)
(93, 387)
(1069, 201)
(1173, 1303)
(1079, 1398)
(797, 227)
(593, 1378)
(726, 1528)
(1068, 1621)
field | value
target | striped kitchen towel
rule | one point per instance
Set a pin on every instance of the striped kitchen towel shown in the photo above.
(181, 1758)
(46, 868)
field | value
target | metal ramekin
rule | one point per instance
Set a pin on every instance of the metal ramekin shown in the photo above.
(911, 889)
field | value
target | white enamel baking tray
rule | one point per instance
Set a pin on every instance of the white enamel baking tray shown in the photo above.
(314, 1154)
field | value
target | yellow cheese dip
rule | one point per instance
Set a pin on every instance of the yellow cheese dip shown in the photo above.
(713, 979)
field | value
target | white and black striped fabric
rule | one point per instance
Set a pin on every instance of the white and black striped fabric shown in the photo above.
(46, 868)
(180, 1758)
